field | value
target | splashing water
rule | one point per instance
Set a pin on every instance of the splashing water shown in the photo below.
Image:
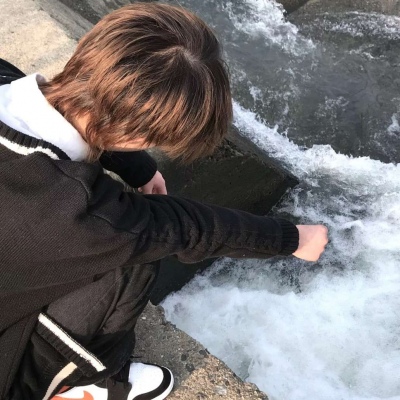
(324, 331)
(336, 334)
(265, 18)
(359, 24)
(394, 128)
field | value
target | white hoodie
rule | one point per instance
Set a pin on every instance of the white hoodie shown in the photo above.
(24, 108)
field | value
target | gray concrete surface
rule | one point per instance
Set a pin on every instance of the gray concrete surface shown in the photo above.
(198, 374)
(31, 39)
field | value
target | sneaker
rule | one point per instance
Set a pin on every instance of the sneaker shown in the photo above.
(134, 381)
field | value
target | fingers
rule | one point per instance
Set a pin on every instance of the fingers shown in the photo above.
(146, 189)
(162, 189)
(159, 184)
(155, 186)
(153, 189)
(312, 242)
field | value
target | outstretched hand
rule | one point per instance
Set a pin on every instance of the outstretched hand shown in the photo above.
(155, 186)
(312, 242)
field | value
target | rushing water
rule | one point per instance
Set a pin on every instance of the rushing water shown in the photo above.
(329, 330)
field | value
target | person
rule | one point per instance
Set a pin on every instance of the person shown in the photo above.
(79, 254)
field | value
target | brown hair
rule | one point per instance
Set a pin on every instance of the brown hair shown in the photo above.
(149, 71)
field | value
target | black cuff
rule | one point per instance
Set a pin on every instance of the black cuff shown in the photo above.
(290, 237)
(136, 168)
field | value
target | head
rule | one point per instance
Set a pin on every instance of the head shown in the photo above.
(146, 75)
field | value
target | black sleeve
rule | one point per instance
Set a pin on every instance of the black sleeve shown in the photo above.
(136, 168)
(9, 72)
(155, 226)
(86, 224)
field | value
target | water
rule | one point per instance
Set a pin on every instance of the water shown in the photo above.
(329, 330)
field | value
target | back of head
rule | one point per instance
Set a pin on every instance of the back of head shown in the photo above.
(150, 71)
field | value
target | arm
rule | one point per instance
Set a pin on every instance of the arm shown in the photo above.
(157, 226)
(89, 225)
(102, 227)
(195, 231)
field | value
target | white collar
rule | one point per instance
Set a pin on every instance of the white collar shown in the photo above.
(24, 108)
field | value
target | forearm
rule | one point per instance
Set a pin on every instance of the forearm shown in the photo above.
(195, 231)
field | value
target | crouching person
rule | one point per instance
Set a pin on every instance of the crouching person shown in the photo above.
(79, 254)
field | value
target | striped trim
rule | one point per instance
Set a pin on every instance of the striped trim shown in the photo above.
(18, 148)
(59, 378)
(71, 343)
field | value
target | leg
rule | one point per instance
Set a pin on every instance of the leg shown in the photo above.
(85, 336)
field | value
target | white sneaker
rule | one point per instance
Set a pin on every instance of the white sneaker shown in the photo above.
(136, 381)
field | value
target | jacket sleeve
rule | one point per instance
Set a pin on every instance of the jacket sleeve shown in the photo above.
(82, 223)
(155, 226)
(136, 168)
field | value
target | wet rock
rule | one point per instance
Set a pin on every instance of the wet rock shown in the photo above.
(292, 5)
(390, 7)
(92, 10)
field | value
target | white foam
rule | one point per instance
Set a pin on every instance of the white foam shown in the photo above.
(394, 127)
(339, 336)
(265, 18)
(360, 24)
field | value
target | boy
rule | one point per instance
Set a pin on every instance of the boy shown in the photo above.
(79, 255)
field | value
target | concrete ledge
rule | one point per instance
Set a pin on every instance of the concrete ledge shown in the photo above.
(198, 374)
(31, 39)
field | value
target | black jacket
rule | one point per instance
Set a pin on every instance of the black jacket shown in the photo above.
(64, 222)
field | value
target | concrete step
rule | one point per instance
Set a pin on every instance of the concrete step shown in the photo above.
(198, 374)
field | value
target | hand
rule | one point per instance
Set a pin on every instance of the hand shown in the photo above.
(312, 242)
(155, 186)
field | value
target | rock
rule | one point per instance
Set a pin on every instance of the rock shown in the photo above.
(292, 5)
(390, 7)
